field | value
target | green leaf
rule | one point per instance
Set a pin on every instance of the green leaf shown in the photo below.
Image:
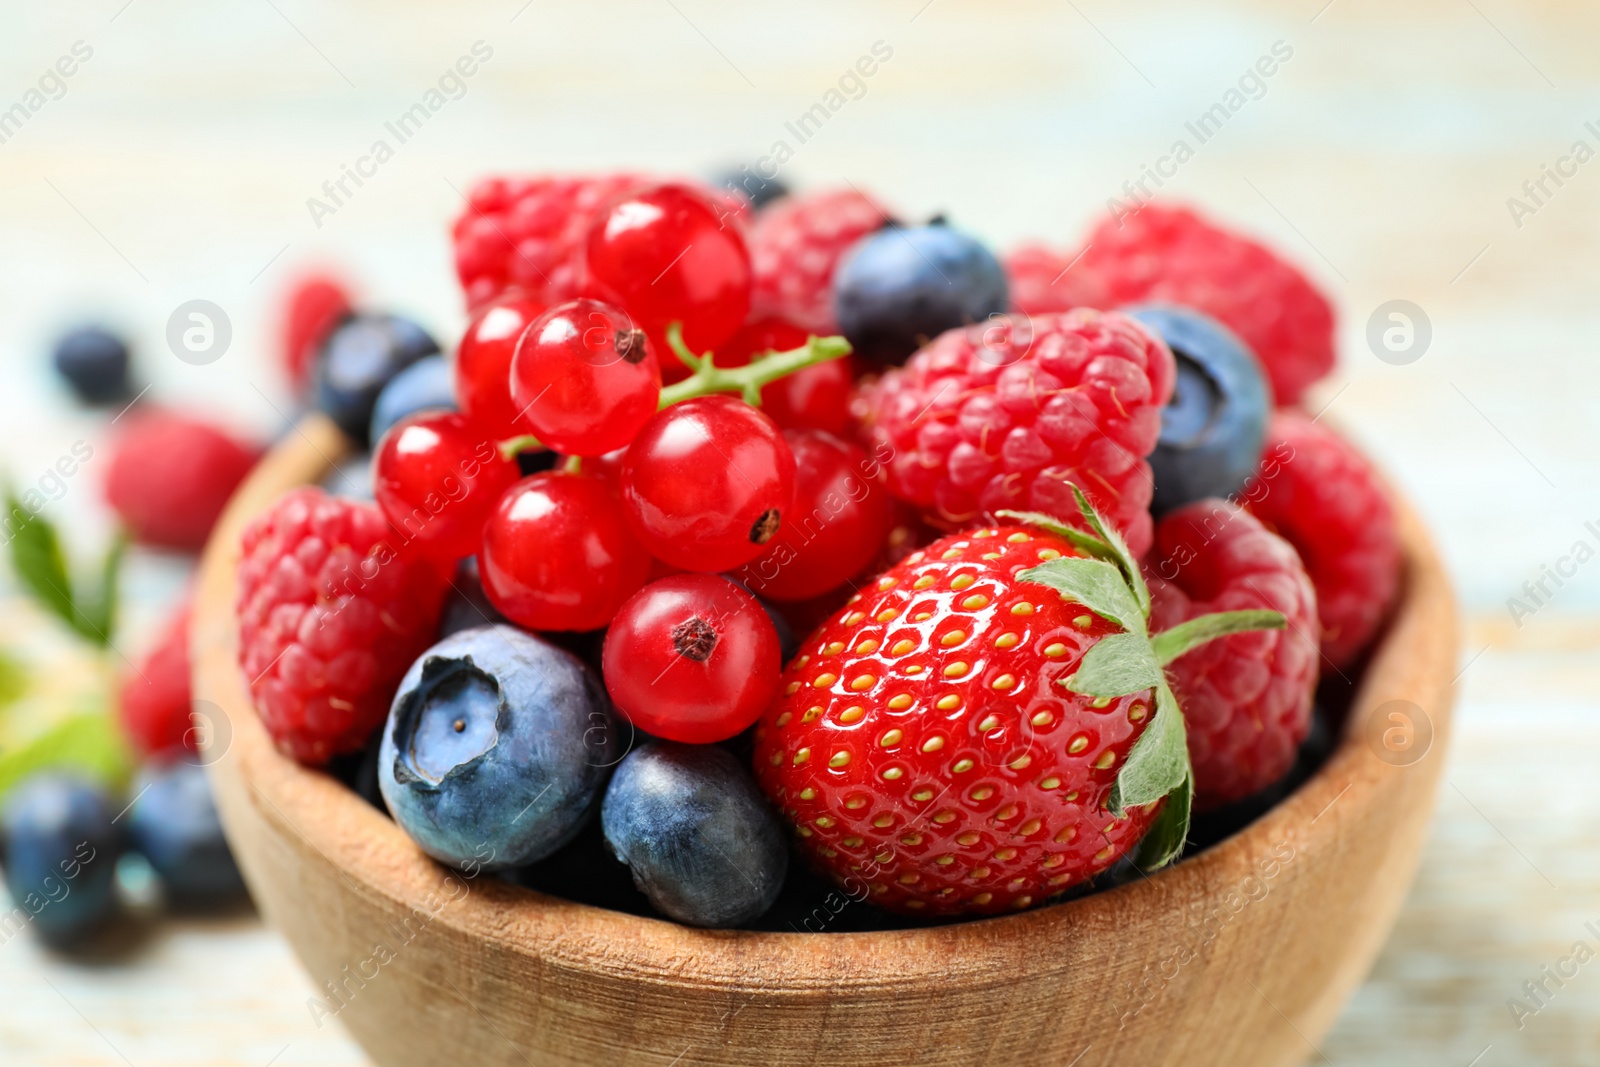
(1097, 585)
(88, 743)
(37, 558)
(1083, 542)
(13, 679)
(1164, 841)
(1159, 762)
(1187, 636)
(1117, 665)
(1125, 558)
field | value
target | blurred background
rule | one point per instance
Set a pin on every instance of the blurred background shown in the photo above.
(1387, 156)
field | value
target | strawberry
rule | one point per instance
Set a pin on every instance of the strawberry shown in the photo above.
(988, 724)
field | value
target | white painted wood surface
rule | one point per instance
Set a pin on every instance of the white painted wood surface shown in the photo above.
(179, 160)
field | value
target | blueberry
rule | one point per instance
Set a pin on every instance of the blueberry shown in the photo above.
(759, 190)
(903, 286)
(358, 360)
(467, 605)
(496, 748)
(94, 362)
(697, 834)
(61, 849)
(173, 823)
(425, 385)
(1213, 428)
(352, 478)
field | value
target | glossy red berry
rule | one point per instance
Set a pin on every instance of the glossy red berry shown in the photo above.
(666, 254)
(436, 477)
(483, 364)
(584, 378)
(692, 658)
(840, 518)
(707, 482)
(816, 398)
(557, 554)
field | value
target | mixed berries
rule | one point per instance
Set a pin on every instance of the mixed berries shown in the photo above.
(1060, 568)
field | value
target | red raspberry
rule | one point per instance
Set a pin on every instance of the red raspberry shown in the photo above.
(316, 305)
(1006, 415)
(1324, 498)
(171, 475)
(1246, 698)
(527, 234)
(1042, 281)
(925, 747)
(1174, 256)
(154, 698)
(330, 618)
(794, 247)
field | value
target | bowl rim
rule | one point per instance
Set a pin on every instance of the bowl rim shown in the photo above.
(374, 856)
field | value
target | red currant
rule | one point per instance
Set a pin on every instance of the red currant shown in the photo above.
(437, 476)
(557, 554)
(816, 398)
(665, 254)
(840, 518)
(483, 364)
(706, 483)
(584, 378)
(692, 658)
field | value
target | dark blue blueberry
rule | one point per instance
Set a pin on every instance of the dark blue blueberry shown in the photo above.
(467, 605)
(536, 461)
(496, 749)
(358, 360)
(61, 849)
(352, 478)
(173, 823)
(694, 829)
(94, 362)
(760, 191)
(901, 287)
(425, 385)
(1213, 428)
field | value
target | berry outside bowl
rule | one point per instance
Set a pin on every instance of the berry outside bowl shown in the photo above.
(1240, 955)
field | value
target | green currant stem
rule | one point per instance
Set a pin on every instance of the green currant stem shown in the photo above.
(573, 465)
(747, 380)
(708, 378)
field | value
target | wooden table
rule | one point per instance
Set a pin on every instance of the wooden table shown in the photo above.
(179, 161)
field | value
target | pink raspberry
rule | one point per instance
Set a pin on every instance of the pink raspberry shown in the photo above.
(171, 475)
(795, 246)
(1325, 499)
(330, 617)
(1006, 415)
(1246, 698)
(1173, 256)
(527, 234)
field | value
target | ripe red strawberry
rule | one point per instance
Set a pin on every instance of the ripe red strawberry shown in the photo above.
(330, 617)
(171, 475)
(527, 234)
(1011, 415)
(154, 697)
(967, 736)
(795, 245)
(1247, 698)
(1322, 496)
(1174, 256)
(315, 306)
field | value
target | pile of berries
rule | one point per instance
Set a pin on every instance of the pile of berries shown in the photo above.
(1067, 572)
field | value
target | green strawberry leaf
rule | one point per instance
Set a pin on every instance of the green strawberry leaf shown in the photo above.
(1159, 761)
(1117, 665)
(1186, 636)
(1125, 558)
(1097, 585)
(1165, 839)
(1086, 543)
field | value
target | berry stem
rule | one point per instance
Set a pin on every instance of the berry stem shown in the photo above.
(708, 378)
(747, 380)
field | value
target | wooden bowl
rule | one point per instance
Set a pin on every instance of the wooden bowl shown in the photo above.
(1241, 955)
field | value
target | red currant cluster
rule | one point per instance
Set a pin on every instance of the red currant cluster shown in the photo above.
(665, 464)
